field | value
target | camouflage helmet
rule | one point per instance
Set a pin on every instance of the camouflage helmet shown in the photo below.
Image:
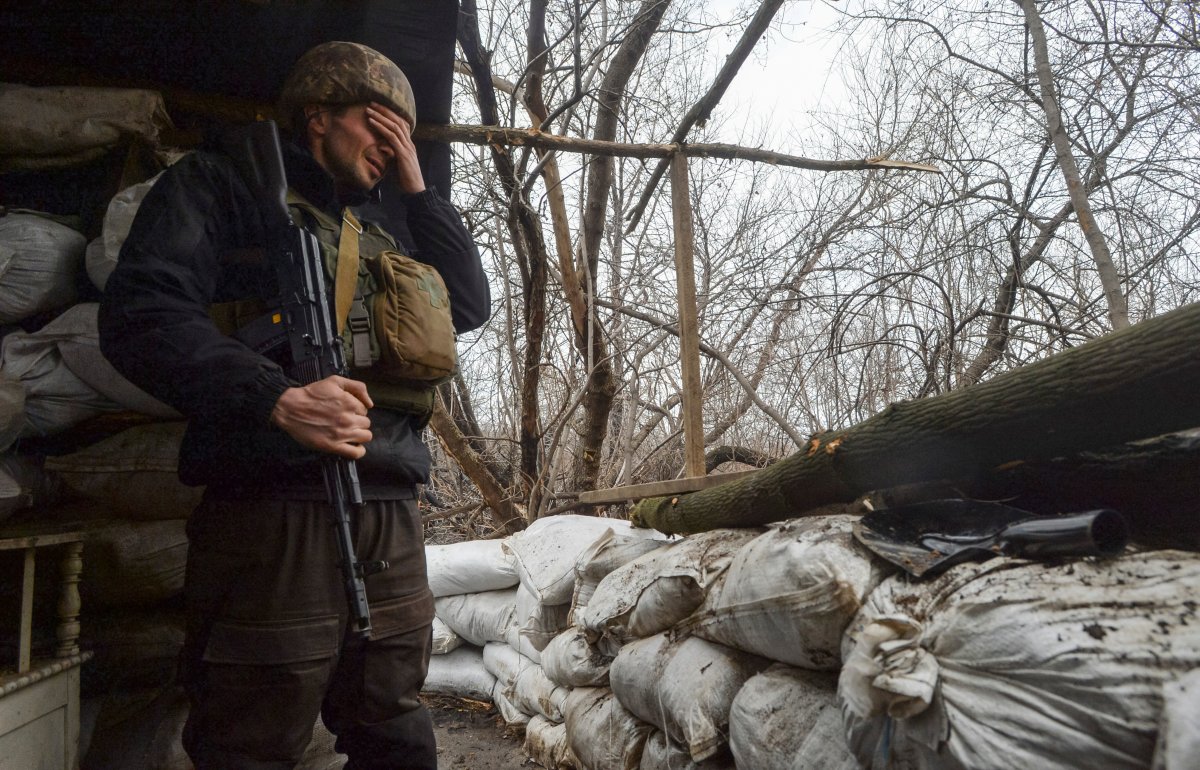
(341, 73)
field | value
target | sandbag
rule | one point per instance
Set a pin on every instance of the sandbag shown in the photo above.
(796, 610)
(547, 550)
(133, 474)
(789, 718)
(140, 729)
(1179, 728)
(509, 712)
(571, 660)
(546, 744)
(601, 733)
(134, 563)
(101, 255)
(78, 339)
(12, 410)
(514, 639)
(504, 662)
(1017, 664)
(657, 590)
(684, 687)
(478, 618)
(661, 752)
(134, 648)
(39, 262)
(533, 693)
(444, 639)
(470, 567)
(609, 551)
(537, 622)
(58, 126)
(460, 673)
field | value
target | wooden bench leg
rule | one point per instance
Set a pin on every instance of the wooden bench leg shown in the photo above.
(69, 602)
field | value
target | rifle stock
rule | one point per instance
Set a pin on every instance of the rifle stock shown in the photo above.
(307, 322)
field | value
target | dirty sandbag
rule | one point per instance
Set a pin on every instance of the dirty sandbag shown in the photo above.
(479, 618)
(133, 474)
(57, 126)
(444, 639)
(101, 255)
(134, 563)
(78, 338)
(609, 551)
(12, 410)
(39, 265)
(460, 673)
(470, 567)
(24, 485)
(1017, 664)
(533, 693)
(789, 718)
(546, 744)
(547, 550)
(1179, 728)
(537, 622)
(572, 661)
(662, 753)
(794, 612)
(133, 647)
(509, 712)
(685, 687)
(521, 643)
(658, 589)
(602, 734)
(504, 662)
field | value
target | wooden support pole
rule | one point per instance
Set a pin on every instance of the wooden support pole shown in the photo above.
(689, 334)
(25, 644)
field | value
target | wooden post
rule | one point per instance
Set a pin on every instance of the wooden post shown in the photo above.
(25, 644)
(69, 603)
(689, 335)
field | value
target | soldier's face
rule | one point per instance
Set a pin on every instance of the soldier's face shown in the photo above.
(346, 146)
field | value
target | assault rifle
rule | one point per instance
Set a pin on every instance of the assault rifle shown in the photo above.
(303, 316)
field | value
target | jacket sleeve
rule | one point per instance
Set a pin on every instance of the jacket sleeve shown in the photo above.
(442, 240)
(154, 323)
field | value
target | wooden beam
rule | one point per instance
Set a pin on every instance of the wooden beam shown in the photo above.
(658, 488)
(25, 644)
(689, 333)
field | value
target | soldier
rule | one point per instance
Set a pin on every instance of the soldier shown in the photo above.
(267, 647)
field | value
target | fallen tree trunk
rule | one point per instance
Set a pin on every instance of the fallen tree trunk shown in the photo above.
(1132, 384)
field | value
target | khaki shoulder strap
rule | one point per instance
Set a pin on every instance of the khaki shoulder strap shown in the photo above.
(345, 282)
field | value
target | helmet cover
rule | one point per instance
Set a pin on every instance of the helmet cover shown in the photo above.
(341, 73)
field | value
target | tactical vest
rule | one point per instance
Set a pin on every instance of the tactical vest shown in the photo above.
(361, 346)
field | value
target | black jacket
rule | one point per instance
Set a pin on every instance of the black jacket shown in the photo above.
(187, 250)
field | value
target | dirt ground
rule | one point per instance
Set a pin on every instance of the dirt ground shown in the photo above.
(471, 735)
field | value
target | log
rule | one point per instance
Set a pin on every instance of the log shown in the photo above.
(1133, 384)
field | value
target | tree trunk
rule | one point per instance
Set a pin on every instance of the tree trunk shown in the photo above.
(1135, 383)
(1118, 312)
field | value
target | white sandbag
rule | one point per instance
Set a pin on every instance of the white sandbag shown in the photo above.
(546, 744)
(57, 126)
(546, 551)
(609, 551)
(537, 622)
(12, 497)
(790, 593)
(133, 474)
(78, 341)
(12, 410)
(444, 639)
(504, 662)
(571, 660)
(602, 734)
(460, 673)
(789, 718)
(1017, 664)
(522, 644)
(39, 264)
(684, 687)
(534, 694)
(102, 253)
(478, 618)
(470, 567)
(662, 753)
(23, 485)
(509, 712)
(657, 590)
(1179, 728)
(134, 563)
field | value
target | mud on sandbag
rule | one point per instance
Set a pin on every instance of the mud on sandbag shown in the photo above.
(571, 660)
(796, 610)
(602, 734)
(1017, 664)
(546, 744)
